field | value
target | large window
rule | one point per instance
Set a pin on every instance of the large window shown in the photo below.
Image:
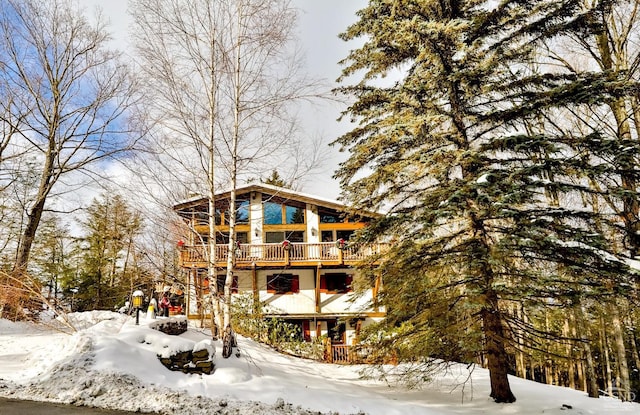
(272, 213)
(291, 236)
(336, 283)
(242, 213)
(283, 284)
(283, 213)
(294, 214)
(330, 216)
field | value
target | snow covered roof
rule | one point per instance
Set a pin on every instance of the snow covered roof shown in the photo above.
(281, 192)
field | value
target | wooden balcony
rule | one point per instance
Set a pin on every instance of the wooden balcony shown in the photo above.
(275, 255)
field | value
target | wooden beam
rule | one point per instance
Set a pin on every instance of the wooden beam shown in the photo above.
(254, 286)
(318, 269)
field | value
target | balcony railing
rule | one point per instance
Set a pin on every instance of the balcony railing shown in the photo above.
(276, 253)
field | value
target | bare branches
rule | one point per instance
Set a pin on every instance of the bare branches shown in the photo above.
(70, 95)
(21, 298)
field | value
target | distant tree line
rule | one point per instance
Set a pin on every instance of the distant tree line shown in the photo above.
(97, 268)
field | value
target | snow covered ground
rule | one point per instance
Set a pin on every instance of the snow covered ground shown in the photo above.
(111, 363)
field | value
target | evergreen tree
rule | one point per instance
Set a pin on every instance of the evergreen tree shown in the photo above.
(111, 227)
(276, 180)
(459, 148)
(51, 258)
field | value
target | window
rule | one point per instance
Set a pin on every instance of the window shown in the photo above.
(234, 284)
(329, 236)
(201, 239)
(222, 238)
(242, 237)
(202, 282)
(272, 213)
(295, 236)
(276, 237)
(294, 214)
(336, 331)
(242, 213)
(283, 284)
(336, 283)
(201, 218)
(346, 235)
(283, 213)
(330, 216)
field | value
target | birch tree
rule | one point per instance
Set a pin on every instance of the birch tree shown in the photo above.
(71, 94)
(232, 67)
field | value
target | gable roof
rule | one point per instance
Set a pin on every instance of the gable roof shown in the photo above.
(201, 202)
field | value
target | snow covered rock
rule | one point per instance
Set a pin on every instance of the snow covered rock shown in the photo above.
(199, 360)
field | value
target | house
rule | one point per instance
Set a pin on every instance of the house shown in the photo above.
(293, 253)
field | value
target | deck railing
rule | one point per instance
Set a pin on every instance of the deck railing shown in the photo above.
(341, 353)
(278, 253)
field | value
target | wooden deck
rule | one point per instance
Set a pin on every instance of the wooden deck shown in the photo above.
(261, 255)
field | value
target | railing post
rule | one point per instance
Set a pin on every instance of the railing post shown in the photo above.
(328, 350)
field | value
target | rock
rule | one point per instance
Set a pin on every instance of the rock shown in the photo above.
(172, 325)
(200, 361)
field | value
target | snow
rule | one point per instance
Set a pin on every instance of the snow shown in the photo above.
(112, 363)
(483, 179)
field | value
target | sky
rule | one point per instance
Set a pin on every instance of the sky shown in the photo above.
(320, 22)
(110, 362)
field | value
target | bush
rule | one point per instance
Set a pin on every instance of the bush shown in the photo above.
(249, 320)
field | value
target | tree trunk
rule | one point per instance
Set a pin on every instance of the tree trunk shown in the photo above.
(591, 378)
(571, 374)
(521, 369)
(614, 59)
(548, 370)
(621, 354)
(216, 320)
(28, 236)
(634, 349)
(604, 346)
(231, 254)
(495, 349)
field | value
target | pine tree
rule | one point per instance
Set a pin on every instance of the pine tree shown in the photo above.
(276, 180)
(110, 228)
(458, 145)
(51, 259)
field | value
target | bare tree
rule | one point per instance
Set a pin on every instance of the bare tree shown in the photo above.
(73, 93)
(226, 75)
